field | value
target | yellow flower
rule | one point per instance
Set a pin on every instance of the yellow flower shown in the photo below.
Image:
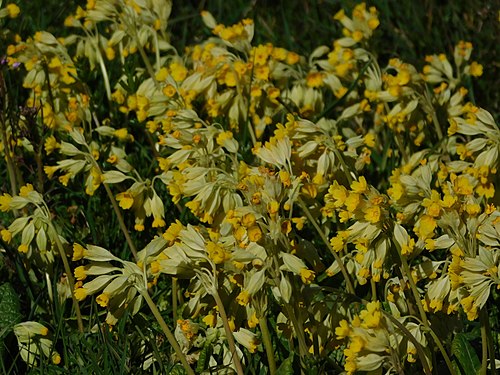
(78, 252)
(173, 231)
(121, 134)
(102, 299)
(25, 190)
(476, 69)
(352, 202)
(273, 207)
(216, 253)
(463, 186)
(359, 186)
(110, 53)
(169, 91)
(125, 199)
(307, 276)
(23, 248)
(56, 358)
(158, 222)
(248, 220)
(371, 316)
(407, 248)
(343, 330)
(51, 144)
(6, 235)
(80, 294)
(243, 298)
(64, 179)
(210, 320)
(178, 72)
(314, 79)
(254, 233)
(13, 10)
(50, 170)
(372, 214)
(5, 202)
(80, 273)
(252, 321)
(425, 227)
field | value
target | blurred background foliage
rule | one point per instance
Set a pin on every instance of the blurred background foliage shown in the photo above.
(408, 29)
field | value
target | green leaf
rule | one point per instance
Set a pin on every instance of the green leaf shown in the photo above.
(9, 308)
(9, 313)
(205, 354)
(177, 370)
(286, 367)
(465, 354)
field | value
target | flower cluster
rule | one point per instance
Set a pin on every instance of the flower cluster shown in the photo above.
(294, 177)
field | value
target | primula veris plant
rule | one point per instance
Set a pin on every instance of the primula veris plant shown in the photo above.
(330, 209)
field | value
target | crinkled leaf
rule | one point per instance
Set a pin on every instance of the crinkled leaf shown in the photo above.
(463, 351)
(286, 367)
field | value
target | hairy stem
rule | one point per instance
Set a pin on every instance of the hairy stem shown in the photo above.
(174, 298)
(119, 216)
(268, 345)
(229, 334)
(418, 346)
(423, 316)
(67, 269)
(441, 348)
(168, 333)
(350, 287)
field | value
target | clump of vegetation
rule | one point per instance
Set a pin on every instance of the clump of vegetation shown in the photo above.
(238, 206)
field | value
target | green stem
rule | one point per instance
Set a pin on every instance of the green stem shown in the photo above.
(229, 334)
(374, 289)
(168, 333)
(413, 287)
(174, 298)
(432, 110)
(350, 287)
(487, 343)
(123, 227)
(443, 352)
(484, 347)
(423, 316)
(67, 269)
(344, 166)
(410, 337)
(104, 71)
(437, 126)
(290, 314)
(149, 67)
(268, 345)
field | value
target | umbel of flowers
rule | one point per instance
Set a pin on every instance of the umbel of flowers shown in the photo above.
(280, 159)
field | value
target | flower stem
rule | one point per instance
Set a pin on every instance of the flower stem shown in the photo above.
(268, 345)
(119, 216)
(484, 346)
(229, 334)
(67, 269)
(104, 71)
(174, 298)
(423, 316)
(443, 352)
(168, 333)
(410, 337)
(149, 67)
(413, 287)
(350, 287)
